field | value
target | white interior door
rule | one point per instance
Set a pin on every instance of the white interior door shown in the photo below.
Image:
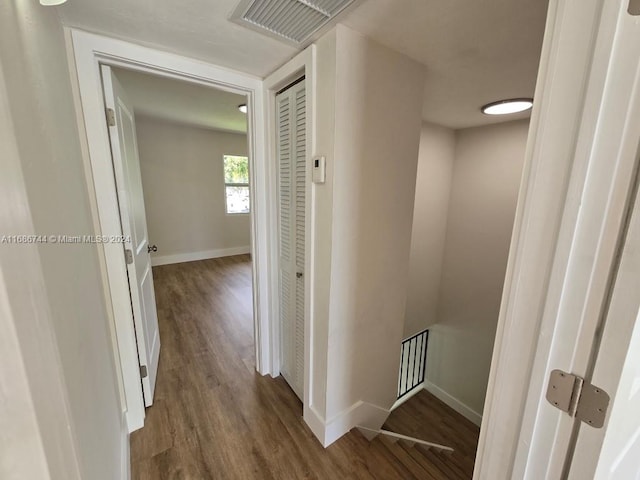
(587, 332)
(291, 121)
(124, 150)
(613, 452)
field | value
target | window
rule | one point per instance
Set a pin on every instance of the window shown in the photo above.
(236, 184)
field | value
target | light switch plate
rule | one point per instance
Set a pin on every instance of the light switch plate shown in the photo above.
(319, 167)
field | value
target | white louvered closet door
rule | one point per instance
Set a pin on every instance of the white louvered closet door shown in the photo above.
(292, 191)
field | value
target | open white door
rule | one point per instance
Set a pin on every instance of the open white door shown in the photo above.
(592, 305)
(613, 451)
(126, 165)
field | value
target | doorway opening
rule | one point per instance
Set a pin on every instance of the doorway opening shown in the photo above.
(469, 176)
(183, 226)
(180, 158)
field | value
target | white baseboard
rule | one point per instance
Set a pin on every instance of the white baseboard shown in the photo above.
(125, 452)
(453, 402)
(315, 422)
(193, 256)
(359, 414)
(407, 396)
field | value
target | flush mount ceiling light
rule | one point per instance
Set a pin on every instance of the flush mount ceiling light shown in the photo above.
(243, 107)
(505, 107)
(50, 3)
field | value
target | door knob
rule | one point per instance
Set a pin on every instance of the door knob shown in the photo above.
(151, 248)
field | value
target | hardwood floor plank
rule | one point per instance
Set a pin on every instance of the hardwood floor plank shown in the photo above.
(215, 417)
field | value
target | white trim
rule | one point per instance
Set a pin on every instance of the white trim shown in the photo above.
(125, 453)
(360, 414)
(89, 51)
(371, 434)
(203, 255)
(315, 421)
(301, 64)
(605, 160)
(448, 399)
(411, 393)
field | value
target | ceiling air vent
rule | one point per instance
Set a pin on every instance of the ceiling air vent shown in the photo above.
(292, 20)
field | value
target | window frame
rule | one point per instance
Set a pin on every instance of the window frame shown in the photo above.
(226, 184)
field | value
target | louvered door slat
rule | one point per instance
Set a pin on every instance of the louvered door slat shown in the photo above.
(291, 139)
(300, 155)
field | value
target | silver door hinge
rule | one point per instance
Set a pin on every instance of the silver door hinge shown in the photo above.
(571, 394)
(111, 117)
(143, 371)
(128, 256)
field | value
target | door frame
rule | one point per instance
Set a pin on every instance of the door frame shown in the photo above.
(566, 230)
(87, 51)
(302, 64)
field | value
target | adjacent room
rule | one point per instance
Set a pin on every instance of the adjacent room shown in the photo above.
(194, 170)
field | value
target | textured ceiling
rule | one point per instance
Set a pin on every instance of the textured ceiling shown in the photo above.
(475, 51)
(195, 28)
(183, 102)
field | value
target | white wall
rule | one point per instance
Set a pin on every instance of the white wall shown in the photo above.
(62, 308)
(183, 183)
(22, 409)
(485, 184)
(371, 142)
(433, 187)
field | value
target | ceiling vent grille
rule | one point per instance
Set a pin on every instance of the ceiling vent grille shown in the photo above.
(293, 20)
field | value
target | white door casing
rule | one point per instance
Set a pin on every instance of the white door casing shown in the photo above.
(602, 160)
(87, 51)
(126, 165)
(572, 203)
(613, 451)
(291, 154)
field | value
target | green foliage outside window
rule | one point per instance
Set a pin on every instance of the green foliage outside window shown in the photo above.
(236, 169)
(236, 184)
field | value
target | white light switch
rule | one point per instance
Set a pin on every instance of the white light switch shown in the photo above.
(319, 169)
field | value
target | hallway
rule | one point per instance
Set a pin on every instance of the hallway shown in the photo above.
(214, 417)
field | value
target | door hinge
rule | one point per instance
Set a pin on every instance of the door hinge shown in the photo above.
(571, 394)
(128, 256)
(111, 117)
(634, 7)
(143, 371)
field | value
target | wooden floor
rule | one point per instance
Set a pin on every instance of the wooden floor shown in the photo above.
(214, 417)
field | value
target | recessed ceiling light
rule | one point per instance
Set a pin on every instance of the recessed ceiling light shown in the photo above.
(243, 107)
(505, 107)
(49, 3)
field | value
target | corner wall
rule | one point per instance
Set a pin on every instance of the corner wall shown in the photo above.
(484, 191)
(183, 182)
(433, 188)
(41, 105)
(372, 165)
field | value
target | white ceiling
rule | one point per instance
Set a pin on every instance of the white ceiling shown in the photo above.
(475, 51)
(195, 28)
(183, 102)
